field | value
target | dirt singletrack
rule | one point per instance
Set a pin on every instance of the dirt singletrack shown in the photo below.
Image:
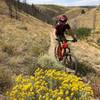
(52, 44)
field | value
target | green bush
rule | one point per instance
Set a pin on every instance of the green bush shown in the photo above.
(47, 61)
(82, 32)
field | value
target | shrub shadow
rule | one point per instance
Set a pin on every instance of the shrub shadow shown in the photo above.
(84, 70)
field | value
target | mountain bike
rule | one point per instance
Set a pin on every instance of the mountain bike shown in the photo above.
(69, 60)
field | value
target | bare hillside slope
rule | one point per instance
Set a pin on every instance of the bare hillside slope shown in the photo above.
(89, 19)
(21, 40)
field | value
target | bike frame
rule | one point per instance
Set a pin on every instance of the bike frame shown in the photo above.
(59, 45)
(69, 59)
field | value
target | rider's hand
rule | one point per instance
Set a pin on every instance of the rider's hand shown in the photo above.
(74, 40)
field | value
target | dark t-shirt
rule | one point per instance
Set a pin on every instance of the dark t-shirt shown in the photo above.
(61, 28)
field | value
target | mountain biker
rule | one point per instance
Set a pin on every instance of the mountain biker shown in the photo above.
(61, 27)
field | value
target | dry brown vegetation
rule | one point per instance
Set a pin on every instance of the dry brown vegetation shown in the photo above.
(21, 42)
(74, 12)
(90, 19)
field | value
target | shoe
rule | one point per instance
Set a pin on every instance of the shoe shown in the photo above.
(61, 58)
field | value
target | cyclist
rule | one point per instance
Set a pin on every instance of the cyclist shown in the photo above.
(61, 27)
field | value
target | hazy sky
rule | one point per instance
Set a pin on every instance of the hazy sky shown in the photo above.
(66, 2)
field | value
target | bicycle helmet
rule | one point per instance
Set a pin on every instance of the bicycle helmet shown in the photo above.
(62, 18)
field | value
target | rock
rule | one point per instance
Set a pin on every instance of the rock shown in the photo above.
(2, 97)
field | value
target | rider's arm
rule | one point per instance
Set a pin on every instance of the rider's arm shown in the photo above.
(69, 31)
(73, 35)
(56, 28)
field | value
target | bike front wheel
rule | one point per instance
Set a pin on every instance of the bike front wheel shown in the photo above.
(70, 62)
(58, 51)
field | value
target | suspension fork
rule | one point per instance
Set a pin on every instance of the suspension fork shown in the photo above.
(70, 54)
(59, 49)
(69, 50)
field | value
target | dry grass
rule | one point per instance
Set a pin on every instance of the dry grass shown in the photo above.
(95, 83)
(49, 62)
(49, 12)
(88, 54)
(74, 12)
(3, 7)
(87, 20)
(20, 41)
(5, 79)
(54, 8)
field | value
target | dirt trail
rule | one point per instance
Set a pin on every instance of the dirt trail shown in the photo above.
(52, 44)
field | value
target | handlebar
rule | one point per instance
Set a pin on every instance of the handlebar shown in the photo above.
(67, 40)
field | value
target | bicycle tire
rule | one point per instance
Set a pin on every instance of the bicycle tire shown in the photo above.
(70, 62)
(56, 52)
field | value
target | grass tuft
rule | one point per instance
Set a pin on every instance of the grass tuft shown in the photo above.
(82, 32)
(47, 61)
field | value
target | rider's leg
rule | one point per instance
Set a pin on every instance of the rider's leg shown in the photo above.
(62, 51)
(58, 46)
(63, 42)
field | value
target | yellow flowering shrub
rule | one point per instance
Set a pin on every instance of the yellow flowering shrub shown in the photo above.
(50, 85)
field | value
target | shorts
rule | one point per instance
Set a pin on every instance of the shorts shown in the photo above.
(63, 41)
(61, 38)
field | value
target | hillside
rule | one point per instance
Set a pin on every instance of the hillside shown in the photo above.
(89, 19)
(48, 13)
(42, 12)
(22, 36)
(52, 11)
(22, 41)
(88, 50)
(3, 7)
(74, 12)
(54, 8)
(88, 55)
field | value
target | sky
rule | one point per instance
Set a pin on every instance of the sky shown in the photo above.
(66, 2)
